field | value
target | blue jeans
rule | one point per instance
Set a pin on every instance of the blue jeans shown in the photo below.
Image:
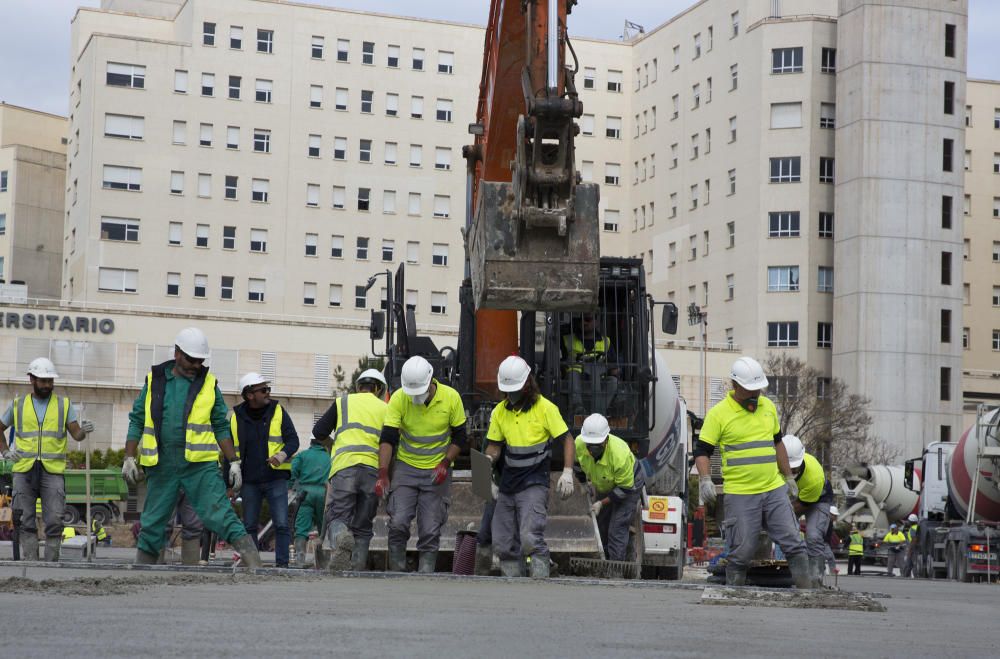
(276, 492)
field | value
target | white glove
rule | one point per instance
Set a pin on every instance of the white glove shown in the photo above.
(793, 487)
(565, 485)
(495, 490)
(280, 456)
(707, 489)
(235, 475)
(12, 454)
(595, 507)
(87, 426)
(130, 471)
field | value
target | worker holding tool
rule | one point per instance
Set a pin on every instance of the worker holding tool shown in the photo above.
(41, 421)
(895, 542)
(617, 478)
(425, 429)
(756, 474)
(310, 469)
(525, 425)
(855, 551)
(176, 429)
(265, 441)
(351, 428)
(814, 499)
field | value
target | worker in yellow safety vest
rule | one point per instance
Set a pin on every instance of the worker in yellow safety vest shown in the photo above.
(814, 499)
(855, 551)
(41, 422)
(895, 541)
(98, 531)
(590, 366)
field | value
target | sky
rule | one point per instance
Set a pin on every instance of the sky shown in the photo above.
(34, 48)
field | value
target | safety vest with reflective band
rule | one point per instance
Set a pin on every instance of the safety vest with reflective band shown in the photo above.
(527, 434)
(275, 443)
(813, 485)
(359, 424)
(857, 546)
(746, 440)
(98, 530)
(577, 352)
(896, 538)
(200, 444)
(68, 532)
(425, 430)
(616, 473)
(45, 441)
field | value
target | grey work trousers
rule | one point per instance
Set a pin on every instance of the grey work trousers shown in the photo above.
(817, 524)
(747, 513)
(614, 522)
(351, 499)
(413, 494)
(524, 513)
(894, 559)
(29, 486)
(191, 525)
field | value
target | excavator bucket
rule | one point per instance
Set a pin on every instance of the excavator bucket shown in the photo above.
(516, 266)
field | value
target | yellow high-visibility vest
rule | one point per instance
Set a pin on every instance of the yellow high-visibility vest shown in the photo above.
(45, 441)
(359, 425)
(275, 443)
(200, 444)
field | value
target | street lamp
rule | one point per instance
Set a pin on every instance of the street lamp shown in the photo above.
(698, 317)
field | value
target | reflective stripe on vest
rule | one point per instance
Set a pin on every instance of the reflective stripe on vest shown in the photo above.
(200, 444)
(757, 446)
(45, 441)
(275, 443)
(359, 426)
(527, 456)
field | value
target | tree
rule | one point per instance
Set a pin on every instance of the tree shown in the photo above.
(832, 422)
(339, 376)
(343, 384)
(365, 363)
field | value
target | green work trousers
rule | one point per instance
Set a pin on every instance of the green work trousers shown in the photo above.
(310, 513)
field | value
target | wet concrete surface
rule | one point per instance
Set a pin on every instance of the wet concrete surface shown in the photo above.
(291, 613)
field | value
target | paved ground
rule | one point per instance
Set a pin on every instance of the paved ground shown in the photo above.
(199, 614)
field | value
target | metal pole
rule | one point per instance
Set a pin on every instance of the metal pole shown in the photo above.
(90, 547)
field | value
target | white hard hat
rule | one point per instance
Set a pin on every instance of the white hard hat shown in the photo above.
(42, 367)
(796, 451)
(595, 429)
(747, 373)
(416, 376)
(911, 518)
(373, 374)
(513, 373)
(250, 379)
(834, 510)
(192, 343)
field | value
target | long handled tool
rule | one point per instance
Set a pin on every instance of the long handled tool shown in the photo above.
(601, 567)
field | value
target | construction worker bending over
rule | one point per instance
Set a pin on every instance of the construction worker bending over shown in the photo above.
(425, 428)
(617, 478)
(525, 425)
(814, 500)
(41, 421)
(855, 551)
(744, 426)
(176, 428)
(265, 441)
(310, 469)
(355, 423)
(895, 542)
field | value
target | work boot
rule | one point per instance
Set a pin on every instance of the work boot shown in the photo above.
(190, 551)
(798, 565)
(52, 547)
(300, 551)
(539, 567)
(29, 545)
(484, 560)
(142, 558)
(397, 559)
(428, 562)
(249, 556)
(359, 557)
(736, 576)
(510, 568)
(816, 567)
(341, 546)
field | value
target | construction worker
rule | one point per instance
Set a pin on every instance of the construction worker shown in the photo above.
(855, 551)
(525, 426)
(895, 541)
(591, 360)
(617, 478)
(99, 532)
(831, 540)
(814, 499)
(913, 544)
(176, 429)
(41, 421)
(758, 480)
(265, 441)
(310, 470)
(355, 422)
(425, 429)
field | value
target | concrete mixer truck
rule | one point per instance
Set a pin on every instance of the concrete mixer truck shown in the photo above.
(875, 497)
(959, 508)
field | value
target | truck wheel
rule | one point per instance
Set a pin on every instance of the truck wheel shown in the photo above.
(949, 559)
(101, 514)
(962, 564)
(674, 573)
(71, 515)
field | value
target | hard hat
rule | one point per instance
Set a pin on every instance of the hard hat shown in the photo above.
(250, 379)
(796, 451)
(911, 518)
(513, 373)
(416, 376)
(42, 367)
(748, 373)
(192, 343)
(373, 374)
(595, 429)
(834, 511)
(892, 526)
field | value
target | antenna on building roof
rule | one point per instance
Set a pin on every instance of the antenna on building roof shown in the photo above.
(632, 30)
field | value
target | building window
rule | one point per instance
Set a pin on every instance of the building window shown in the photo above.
(234, 87)
(340, 98)
(786, 169)
(615, 81)
(734, 77)
(824, 335)
(336, 295)
(946, 326)
(205, 135)
(312, 195)
(315, 142)
(945, 383)
(388, 249)
(340, 148)
(180, 81)
(826, 166)
(611, 218)
(204, 185)
(442, 206)
(367, 101)
(965, 338)
(416, 107)
(996, 296)
(946, 268)
(260, 189)
(783, 224)
(265, 41)
(200, 285)
(255, 290)
(361, 248)
(418, 59)
(730, 286)
(825, 225)
(258, 240)
(174, 231)
(364, 198)
(946, 211)
(336, 247)
(235, 37)
(612, 173)
(3, 224)
(732, 181)
(695, 96)
(947, 148)
(416, 155)
(317, 47)
(446, 62)
(119, 229)
(368, 52)
(442, 158)
(824, 280)
(673, 204)
(309, 293)
(731, 232)
(996, 251)
(949, 40)
(783, 334)
(949, 97)
(201, 235)
(828, 60)
(613, 129)
(444, 109)
(389, 202)
(121, 178)
(261, 140)
(827, 115)
(782, 278)
(786, 115)
(208, 84)
(439, 255)
(786, 60)
(173, 284)
(360, 297)
(118, 280)
(228, 237)
(439, 303)
(125, 126)
(392, 57)
(392, 105)
(126, 75)
(263, 91)
(339, 197)
(365, 150)
(315, 96)
(589, 77)
(412, 252)
(996, 340)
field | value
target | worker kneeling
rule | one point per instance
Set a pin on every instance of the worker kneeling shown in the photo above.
(525, 425)
(617, 479)
(814, 500)
(744, 426)
(425, 428)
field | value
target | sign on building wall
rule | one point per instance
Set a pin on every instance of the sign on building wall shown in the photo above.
(56, 323)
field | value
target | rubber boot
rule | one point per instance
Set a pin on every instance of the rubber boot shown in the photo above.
(816, 567)
(190, 551)
(539, 567)
(736, 576)
(341, 545)
(249, 556)
(52, 547)
(484, 560)
(798, 565)
(428, 562)
(359, 557)
(300, 551)
(29, 546)
(397, 559)
(142, 558)
(510, 568)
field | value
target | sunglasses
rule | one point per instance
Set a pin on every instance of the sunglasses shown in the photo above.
(261, 390)
(197, 361)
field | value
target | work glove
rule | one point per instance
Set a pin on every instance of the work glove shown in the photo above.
(278, 458)
(382, 484)
(130, 471)
(793, 487)
(595, 507)
(440, 473)
(495, 491)
(12, 454)
(235, 475)
(87, 426)
(565, 485)
(707, 489)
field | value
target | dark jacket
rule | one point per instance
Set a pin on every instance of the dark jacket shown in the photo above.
(253, 426)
